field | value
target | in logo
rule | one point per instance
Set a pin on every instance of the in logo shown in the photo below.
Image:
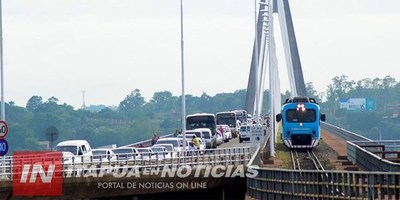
(37, 173)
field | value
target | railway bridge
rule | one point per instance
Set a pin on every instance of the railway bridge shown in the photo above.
(241, 170)
(237, 171)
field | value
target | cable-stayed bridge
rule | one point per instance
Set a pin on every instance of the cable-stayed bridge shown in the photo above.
(234, 170)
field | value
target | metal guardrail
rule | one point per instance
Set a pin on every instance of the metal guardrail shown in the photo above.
(312, 184)
(343, 133)
(361, 157)
(145, 143)
(261, 152)
(369, 161)
(209, 157)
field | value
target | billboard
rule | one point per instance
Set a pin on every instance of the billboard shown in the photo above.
(358, 104)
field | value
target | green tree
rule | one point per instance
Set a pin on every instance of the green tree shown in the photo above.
(132, 105)
(34, 103)
(163, 102)
(311, 92)
(132, 101)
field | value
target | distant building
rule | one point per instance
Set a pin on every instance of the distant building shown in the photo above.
(45, 145)
(395, 108)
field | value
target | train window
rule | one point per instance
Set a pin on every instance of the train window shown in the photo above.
(292, 115)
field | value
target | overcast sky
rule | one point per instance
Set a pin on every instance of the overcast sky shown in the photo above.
(110, 47)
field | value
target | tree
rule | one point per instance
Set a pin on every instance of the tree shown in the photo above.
(34, 103)
(311, 92)
(52, 100)
(107, 113)
(205, 101)
(340, 87)
(132, 101)
(163, 101)
(388, 82)
(132, 105)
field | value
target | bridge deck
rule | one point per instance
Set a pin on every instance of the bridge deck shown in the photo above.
(335, 143)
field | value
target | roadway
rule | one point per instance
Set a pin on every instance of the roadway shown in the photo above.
(234, 142)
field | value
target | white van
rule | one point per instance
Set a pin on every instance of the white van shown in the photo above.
(244, 133)
(195, 133)
(198, 133)
(80, 149)
(209, 139)
(169, 148)
(225, 131)
(176, 142)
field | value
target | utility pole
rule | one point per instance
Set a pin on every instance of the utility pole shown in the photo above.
(83, 100)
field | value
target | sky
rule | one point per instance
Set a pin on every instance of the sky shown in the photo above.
(109, 48)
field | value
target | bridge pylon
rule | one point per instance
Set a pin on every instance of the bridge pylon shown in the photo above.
(264, 56)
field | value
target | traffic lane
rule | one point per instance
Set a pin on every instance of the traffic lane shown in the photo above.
(234, 143)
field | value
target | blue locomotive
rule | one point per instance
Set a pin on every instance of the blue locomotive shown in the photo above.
(301, 119)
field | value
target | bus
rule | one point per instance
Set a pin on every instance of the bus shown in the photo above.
(201, 120)
(229, 118)
(241, 115)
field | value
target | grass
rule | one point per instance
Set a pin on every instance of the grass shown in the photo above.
(282, 152)
(322, 150)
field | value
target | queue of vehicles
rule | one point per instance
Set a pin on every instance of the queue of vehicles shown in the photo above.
(209, 130)
(79, 154)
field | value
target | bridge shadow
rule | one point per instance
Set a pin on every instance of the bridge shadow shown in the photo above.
(232, 193)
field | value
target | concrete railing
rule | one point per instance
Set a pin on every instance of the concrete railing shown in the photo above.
(343, 133)
(210, 157)
(369, 161)
(312, 184)
(363, 158)
(145, 143)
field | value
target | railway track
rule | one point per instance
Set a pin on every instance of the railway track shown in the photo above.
(305, 160)
(308, 160)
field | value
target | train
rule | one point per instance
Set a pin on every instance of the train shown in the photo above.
(301, 120)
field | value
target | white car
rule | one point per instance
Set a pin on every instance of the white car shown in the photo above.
(161, 152)
(209, 139)
(189, 136)
(199, 135)
(146, 153)
(189, 139)
(219, 138)
(225, 131)
(80, 150)
(169, 148)
(104, 155)
(176, 142)
(126, 154)
(67, 157)
(104, 158)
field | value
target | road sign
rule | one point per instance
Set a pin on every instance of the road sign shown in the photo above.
(3, 147)
(256, 134)
(51, 134)
(3, 129)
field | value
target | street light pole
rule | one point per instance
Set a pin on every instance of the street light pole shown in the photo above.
(183, 82)
(3, 108)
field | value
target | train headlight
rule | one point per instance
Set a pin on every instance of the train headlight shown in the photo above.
(301, 107)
